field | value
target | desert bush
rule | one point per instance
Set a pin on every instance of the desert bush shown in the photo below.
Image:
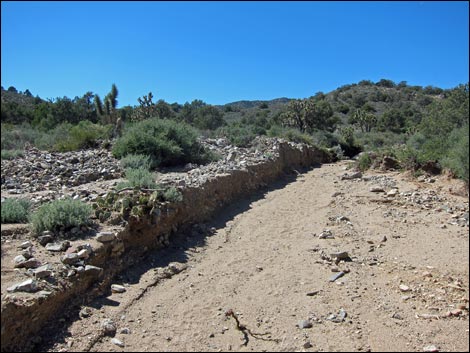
(15, 210)
(138, 178)
(15, 137)
(364, 162)
(239, 134)
(166, 142)
(61, 214)
(173, 195)
(11, 154)
(135, 161)
(458, 155)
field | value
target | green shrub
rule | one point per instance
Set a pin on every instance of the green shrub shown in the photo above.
(239, 134)
(15, 137)
(138, 178)
(166, 142)
(364, 162)
(173, 195)
(83, 135)
(11, 154)
(458, 156)
(15, 210)
(135, 161)
(290, 134)
(59, 214)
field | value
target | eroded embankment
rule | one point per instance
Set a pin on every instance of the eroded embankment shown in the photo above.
(24, 317)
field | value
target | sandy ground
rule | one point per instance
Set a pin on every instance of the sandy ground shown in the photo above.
(264, 259)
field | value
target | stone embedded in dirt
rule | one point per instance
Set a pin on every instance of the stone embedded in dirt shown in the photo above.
(57, 247)
(430, 348)
(30, 285)
(31, 263)
(45, 239)
(376, 189)
(340, 255)
(18, 260)
(392, 193)
(337, 318)
(83, 254)
(304, 324)
(93, 270)
(307, 345)
(105, 237)
(348, 176)
(404, 288)
(26, 244)
(336, 276)
(117, 342)
(85, 312)
(326, 234)
(311, 294)
(70, 259)
(125, 331)
(43, 271)
(116, 288)
(109, 327)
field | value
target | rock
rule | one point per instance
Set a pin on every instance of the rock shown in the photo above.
(57, 247)
(307, 345)
(336, 276)
(105, 237)
(83, 254)
(85, 312)
(304, 324)
(404, 288)
(18, 260)
(45, 239)
(117, 342)
(31, 263)
(430, 348)
(349, 176)
(70, 259)
(25, 245)
(392, 192)
(125, 331)
(326, 234)
(30, 285)
(116, 288)
(389, 163)
(311, 294)
(341, 255)
(376, 189)
(93, 270)
(43, 271)
(337, 318)
(108, 326)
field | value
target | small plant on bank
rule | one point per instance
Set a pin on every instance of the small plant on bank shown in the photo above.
(138, 178)
(135, 161)
(364, 162)
(60, 214)
(11, 154)
(172, 195)
(15, 210)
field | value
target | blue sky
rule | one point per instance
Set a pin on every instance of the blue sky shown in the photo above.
(227, 51)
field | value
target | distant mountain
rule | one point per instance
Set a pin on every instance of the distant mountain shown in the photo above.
(256, 103)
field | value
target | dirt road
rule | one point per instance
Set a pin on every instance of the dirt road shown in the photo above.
(271, 259)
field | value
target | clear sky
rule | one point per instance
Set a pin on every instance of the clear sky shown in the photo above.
(227, 51)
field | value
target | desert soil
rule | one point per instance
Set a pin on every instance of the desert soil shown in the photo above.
(404, 288)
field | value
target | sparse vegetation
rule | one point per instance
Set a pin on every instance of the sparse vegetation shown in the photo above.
(15, 210)
(418, 123)
(61, 215)
(138, 178)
